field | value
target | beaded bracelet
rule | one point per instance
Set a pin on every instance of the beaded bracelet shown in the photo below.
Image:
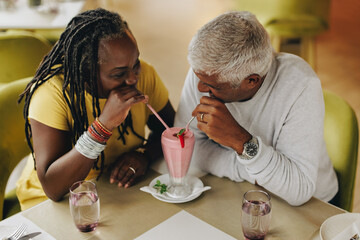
(99, 131)
(102, 127)
(96, 135)
(88, 147)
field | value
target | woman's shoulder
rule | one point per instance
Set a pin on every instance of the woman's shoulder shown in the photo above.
(51, 89)
(54, 83)
(151, 84)
(146, 68)
(148, 77)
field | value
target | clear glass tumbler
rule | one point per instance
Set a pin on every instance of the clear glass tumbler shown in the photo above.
(84, 205)
(256, 214)
(178, 160)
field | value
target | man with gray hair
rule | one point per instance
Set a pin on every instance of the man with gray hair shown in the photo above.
(260, 114)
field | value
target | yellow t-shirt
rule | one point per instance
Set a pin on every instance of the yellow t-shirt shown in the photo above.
(49, 107)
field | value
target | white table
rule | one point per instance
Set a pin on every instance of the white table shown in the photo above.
(31, 18)
(129, 213)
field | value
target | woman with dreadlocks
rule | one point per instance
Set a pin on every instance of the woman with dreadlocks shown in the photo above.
(85, 110)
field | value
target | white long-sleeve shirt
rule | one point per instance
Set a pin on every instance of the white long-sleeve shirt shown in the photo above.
(287, 117)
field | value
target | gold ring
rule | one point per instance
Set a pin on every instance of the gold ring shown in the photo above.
(202, 117)
(132, 169)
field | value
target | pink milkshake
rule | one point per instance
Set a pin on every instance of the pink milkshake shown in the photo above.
(177, 160)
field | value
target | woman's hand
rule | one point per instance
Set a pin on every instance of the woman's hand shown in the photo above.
(122, 172)
(118, 105)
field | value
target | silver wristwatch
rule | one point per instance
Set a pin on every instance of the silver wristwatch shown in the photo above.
(251, 148)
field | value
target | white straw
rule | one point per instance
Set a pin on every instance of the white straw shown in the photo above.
(187, 125)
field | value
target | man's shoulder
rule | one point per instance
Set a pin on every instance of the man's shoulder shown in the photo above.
(291, 62)
(293, 70)
(291, 76)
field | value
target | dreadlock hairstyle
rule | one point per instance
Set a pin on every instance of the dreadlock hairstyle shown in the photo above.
(75, 55)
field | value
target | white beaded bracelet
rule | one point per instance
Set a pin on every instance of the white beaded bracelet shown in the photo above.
(88, 147)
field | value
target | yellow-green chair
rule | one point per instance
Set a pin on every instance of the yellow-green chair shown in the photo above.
(342, 137)
(20, 54)
(291, 19)
(52, 35)
(13, 146)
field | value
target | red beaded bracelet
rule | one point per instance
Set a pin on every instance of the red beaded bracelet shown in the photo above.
(96, 135)
(98, 131)
(102, 127)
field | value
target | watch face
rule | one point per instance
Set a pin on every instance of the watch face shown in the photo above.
(251, 149)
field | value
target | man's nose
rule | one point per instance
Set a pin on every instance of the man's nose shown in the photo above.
(203, 88)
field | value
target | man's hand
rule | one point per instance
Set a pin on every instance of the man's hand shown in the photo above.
(216, 121)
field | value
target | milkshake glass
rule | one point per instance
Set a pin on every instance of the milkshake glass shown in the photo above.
(177, 160)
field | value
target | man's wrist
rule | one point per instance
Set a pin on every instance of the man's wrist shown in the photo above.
(250, 149)
(239, 146)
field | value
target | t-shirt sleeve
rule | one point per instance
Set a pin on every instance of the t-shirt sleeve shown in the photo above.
(49, 107)
(152, 86)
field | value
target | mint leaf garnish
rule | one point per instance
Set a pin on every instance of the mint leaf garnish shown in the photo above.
(181, 131)
(160, 187)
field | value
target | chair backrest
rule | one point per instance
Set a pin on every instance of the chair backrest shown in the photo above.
(13, 145)
(20, 54)
(342, 137)
(290, 17)
(52, 35)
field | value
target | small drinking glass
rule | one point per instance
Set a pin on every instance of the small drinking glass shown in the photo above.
(84, 205)
(256, 214)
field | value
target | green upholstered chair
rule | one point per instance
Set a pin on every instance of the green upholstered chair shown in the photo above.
(13, 145)
(291, 19)
(52, 35)
(342, 138)
(20, 54)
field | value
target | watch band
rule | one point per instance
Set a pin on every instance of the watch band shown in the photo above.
(251, 148)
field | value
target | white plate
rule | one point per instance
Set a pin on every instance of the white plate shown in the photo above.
(194, 182)
(336, 224)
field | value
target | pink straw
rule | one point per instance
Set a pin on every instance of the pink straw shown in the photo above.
(157, 115)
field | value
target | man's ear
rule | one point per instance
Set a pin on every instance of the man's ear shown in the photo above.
(253, 80)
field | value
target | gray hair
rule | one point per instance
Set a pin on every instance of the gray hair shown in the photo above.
(234, 45)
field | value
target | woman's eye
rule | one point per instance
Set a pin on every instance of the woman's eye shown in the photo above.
(120, 75)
